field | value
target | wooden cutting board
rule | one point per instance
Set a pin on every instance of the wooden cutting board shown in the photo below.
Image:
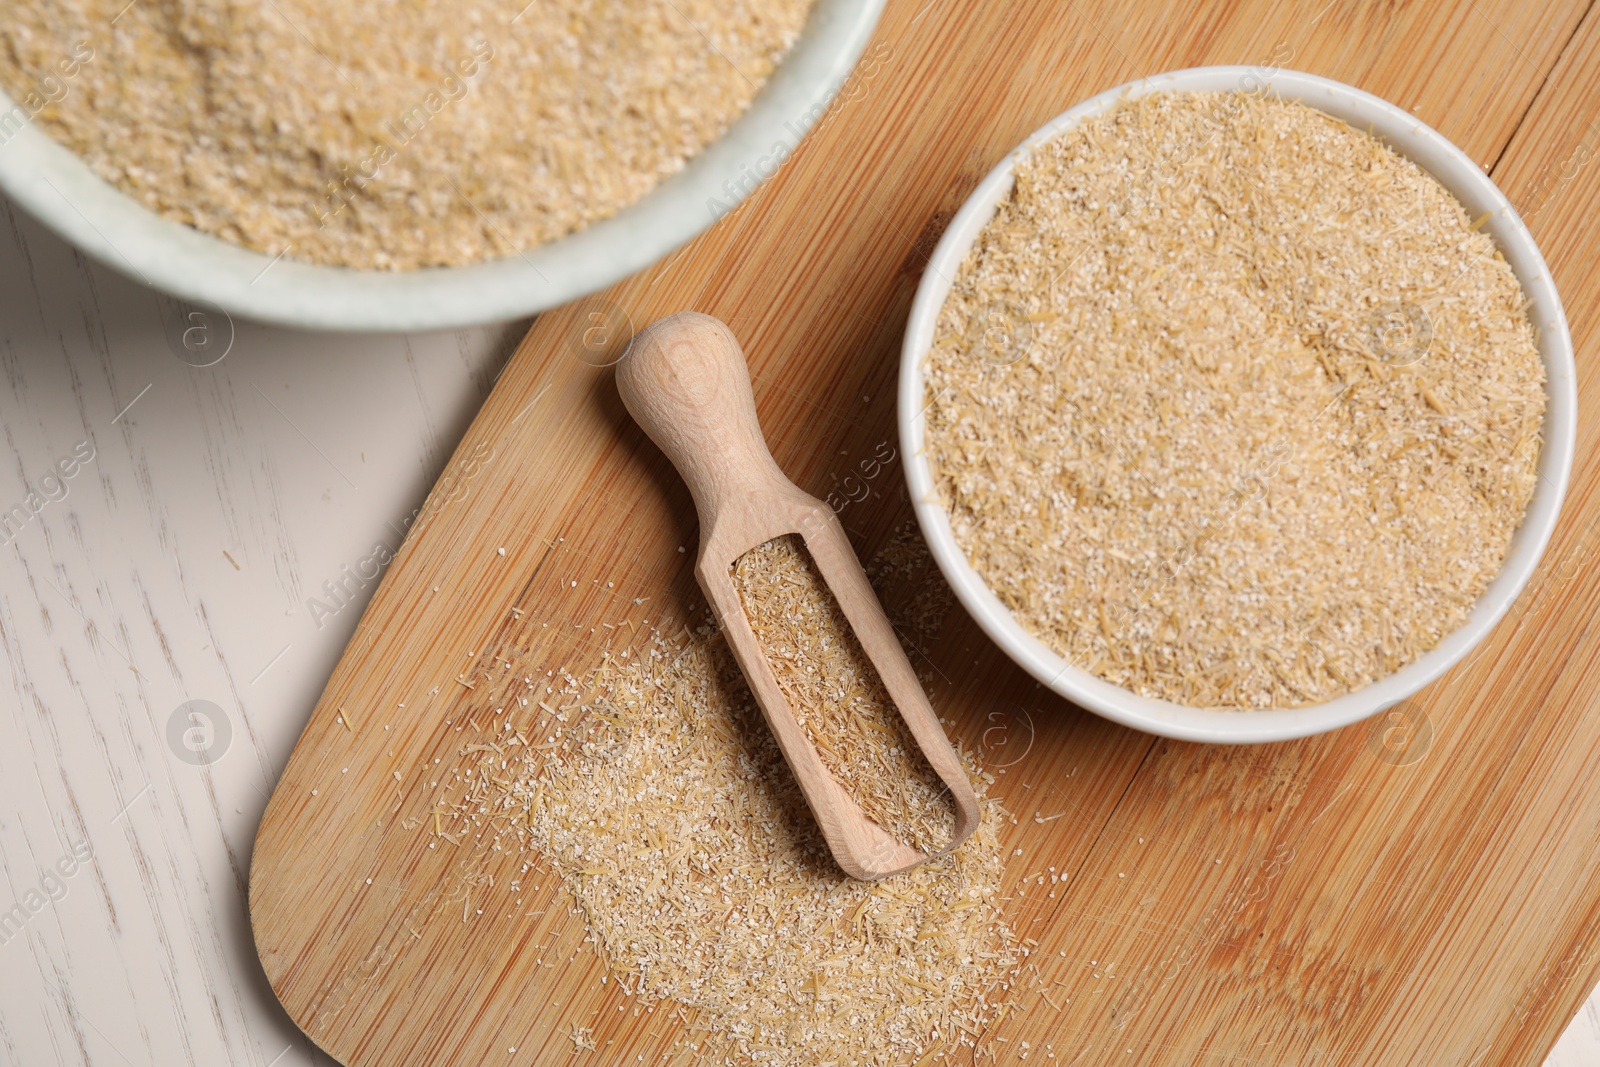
(1420, 890)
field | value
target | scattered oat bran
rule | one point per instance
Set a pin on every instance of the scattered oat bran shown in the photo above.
(670, 815)
(1231, 404)
(393, 134)
(582, 1038)
(837, 696)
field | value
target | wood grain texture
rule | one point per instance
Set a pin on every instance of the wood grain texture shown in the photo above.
(1335, 900)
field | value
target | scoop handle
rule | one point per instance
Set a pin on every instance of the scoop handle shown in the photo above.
(685, 380)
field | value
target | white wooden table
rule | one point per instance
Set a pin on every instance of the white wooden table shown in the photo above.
(168, 614)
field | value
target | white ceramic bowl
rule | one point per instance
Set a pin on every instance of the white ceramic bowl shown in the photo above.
(56, 188)
(1472, 187)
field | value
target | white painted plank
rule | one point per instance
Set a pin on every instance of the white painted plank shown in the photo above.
(177, 566)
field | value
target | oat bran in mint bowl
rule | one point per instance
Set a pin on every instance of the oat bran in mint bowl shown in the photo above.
(1223, 416)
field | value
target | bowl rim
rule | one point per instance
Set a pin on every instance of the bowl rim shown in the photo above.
(1464, 179)
(58, 189)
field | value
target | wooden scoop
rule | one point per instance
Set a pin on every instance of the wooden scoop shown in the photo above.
(685, 380)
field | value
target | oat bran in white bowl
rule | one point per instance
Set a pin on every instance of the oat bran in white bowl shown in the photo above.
(1274, 461)
(517, 155)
